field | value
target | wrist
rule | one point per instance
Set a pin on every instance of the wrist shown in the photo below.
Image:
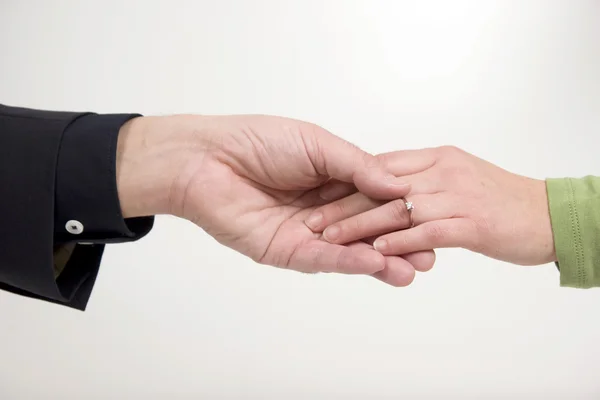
(543, 226)
(151, 154)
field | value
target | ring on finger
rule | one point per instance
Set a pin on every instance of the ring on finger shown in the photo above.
(409, 208)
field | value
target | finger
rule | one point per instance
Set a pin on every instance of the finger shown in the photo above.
(425, 182)
(408, 162)
(313, 198)
(334, 190)
(399, 163)
(320, 256)
(341, 209)
(341, 160)
(376, 183)
(358, 203)
(420, 183)
(455, 232)
(421, 261)
(391, 216)
(397, 272)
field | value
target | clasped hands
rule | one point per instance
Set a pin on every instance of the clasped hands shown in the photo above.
(459, 201)
(290, 194)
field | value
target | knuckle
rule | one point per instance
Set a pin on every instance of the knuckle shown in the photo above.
(339, 210)
(435, 233)
(449, 150)
(349, 229)
(457, 173)
(371, 161)
(311, 128)
(478, 233)
(356, 225)
(383, 159)
(398, 243)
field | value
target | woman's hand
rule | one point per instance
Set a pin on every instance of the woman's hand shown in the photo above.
(459, 201)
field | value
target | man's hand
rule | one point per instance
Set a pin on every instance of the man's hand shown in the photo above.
(460, 201)
(250, 182)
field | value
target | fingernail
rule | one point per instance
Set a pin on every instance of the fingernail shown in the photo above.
(380, 245)
(331, 233)
(330, 193)
(314, 221)
(399, 184)
(395, 181)
(326, 195)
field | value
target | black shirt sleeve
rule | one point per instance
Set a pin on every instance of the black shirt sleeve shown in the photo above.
(86, 185)
(58, 186)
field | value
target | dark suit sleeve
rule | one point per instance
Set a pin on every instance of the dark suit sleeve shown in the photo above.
(58, 202)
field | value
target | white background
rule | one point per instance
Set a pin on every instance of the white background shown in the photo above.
(176, 316)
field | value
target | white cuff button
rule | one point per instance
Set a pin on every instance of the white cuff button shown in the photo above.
(74, 227)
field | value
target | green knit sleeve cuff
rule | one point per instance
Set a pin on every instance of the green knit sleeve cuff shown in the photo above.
(575, 214)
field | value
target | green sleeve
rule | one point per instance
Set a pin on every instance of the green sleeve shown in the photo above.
(575, 215)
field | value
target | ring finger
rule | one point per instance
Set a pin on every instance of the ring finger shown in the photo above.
(392, 216)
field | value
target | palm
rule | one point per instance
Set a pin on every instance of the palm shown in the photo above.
(255, 219)
(258, 193)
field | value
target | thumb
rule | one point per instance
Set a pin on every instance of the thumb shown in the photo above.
(338, 159)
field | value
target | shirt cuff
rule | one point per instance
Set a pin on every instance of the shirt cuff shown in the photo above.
(87, 207)
(75, 283)
(575, 214)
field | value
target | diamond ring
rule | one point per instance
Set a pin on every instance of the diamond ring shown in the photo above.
(409, 208)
